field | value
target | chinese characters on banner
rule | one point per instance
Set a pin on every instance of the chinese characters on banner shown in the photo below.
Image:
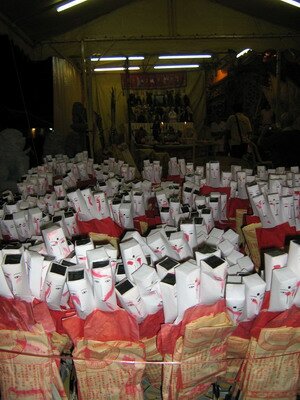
(158, 80)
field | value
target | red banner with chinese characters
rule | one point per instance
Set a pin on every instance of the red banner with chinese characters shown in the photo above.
(156, 80)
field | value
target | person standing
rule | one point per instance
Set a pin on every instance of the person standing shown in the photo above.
(239, 131)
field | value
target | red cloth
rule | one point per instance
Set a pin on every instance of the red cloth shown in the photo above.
(137, 220)
(234, 204)
(106, 226)
(274, 237)
(175, 178)
(225, 224)
(206, 190)
(251, 219)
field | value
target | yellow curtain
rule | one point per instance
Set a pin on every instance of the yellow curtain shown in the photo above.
(67, 89)
(102, 87)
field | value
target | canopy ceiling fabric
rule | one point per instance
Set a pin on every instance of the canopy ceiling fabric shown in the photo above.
(125, 26)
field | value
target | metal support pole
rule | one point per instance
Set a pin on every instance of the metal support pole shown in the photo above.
(278, 74)
(87, 83)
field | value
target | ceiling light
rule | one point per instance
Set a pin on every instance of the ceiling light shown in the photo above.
(109, 69)
(243, 52)
(184, 56)
(292, 2)
(112, 58)
(135, 58)
(176, 66)
(69, 5)
(94, 58)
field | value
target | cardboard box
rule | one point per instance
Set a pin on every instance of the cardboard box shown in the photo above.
(187, 226)
(213, 173)
(204, 251)
(188, 286)
(14, 270)
(138, 204)
(21, 224)
(287, 213)
(226, 177)
(54, 284)
(81, 248)
(213, 278)
(132, 255)
(234, 170)
(235, 301)
(101, 205)
(160, 245)
(55, 241)
(241, 185)
(255, 289)
(283, 289)
(274, 259)
(81, 292)
(246, 264)
(70, 224)
(233, 257)
(180, 244)
(207, 216)
(147, 281)
(35, 263)
(120, 272)
(169, 297)
(226, 248)
(103, 283)
(232, 236)
(130, 299)
(90, 202)
(126, 215)
(264, 211)
(293, 264)
(97, 254)
(166, 266)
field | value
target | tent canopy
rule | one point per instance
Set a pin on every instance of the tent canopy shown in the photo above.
(151, 26)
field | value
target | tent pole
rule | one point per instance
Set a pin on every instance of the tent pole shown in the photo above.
(87, 83)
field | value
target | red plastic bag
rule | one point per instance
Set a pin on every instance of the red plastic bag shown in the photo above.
(202, 310)
(58, 317)
(169, 333)
(151, 325)
(117, 325)
(243, 329)
(106, 226)
(74, 327)
(42, 316)
(289, 318)
(167, 337)
(16, 315)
